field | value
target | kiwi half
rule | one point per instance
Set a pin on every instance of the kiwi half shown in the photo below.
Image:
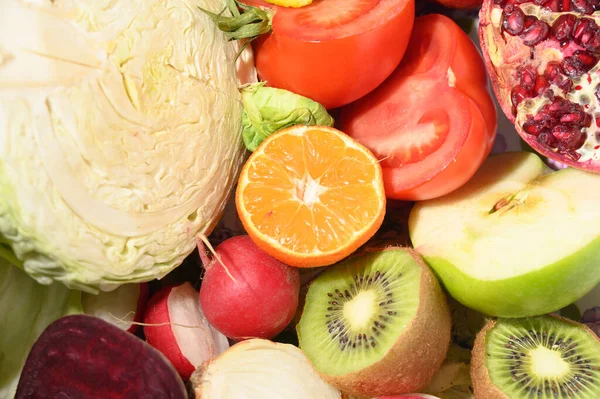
(545, 357)
(376, 324)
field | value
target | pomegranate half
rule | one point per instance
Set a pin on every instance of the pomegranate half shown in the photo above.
(542, 57)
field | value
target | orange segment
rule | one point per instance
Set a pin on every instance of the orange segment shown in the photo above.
(311, 195)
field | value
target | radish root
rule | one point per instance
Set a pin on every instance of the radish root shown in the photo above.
(157, 324)
(203, 243)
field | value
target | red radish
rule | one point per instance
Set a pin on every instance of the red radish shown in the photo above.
(82, 356)
(256, 296)
(176, 326)
(123, 307)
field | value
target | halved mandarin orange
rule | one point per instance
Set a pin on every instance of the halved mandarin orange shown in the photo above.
(310, 195)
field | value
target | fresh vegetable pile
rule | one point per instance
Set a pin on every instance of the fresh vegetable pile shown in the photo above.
(228, 199)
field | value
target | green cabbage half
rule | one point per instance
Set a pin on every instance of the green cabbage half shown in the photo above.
(120, 136)
(26, 309)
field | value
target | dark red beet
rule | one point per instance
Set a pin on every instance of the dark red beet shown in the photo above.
(85, 357)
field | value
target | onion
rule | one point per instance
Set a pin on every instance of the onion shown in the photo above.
(260, 369)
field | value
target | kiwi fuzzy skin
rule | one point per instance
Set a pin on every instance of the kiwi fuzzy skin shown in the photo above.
(482, 385)
(418, 353)
(483, 388)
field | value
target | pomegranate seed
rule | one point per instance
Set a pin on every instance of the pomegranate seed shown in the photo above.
(570, 137)
(583, 25)
(577, 117)
(583, 6)
(553, 73)
(579, 63)
(552, 5)
(562, 149)
(587, 59)
(527, 79)
(593, 44)
(533, 128)
(566, 85)
(540, 2)
(518, 94)
(548, 139)
(565, 5)
(529, 20)
(541, 84)
(561, 132)
(563, 26)
(535, 34)
(560, 106)
(549, 94)
(513, 20)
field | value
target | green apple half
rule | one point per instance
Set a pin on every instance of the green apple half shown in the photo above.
(517, 240)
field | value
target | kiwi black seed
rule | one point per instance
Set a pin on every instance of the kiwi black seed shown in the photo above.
(376, 324)
(545, 357)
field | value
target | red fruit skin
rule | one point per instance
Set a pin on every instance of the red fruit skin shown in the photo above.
(141, 307)
(161, 337)
(509, 57)
(260, 303)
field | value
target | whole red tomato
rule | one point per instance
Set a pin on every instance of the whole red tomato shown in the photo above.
(433, 121)
(333, 51)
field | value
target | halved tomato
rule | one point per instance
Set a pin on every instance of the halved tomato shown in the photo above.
(433, 121)
(333, 51)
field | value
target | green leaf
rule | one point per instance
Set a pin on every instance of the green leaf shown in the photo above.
(248, 24)
(26, 309)
(268, 109)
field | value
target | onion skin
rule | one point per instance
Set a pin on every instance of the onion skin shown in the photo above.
(260, 369)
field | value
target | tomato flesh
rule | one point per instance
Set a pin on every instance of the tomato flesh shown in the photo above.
(334, 51)
(325, 14)
(433, 121)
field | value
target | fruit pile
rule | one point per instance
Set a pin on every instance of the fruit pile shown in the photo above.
(383, 252)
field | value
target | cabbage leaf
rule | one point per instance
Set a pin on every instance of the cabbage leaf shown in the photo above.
(26, 309)
(268, 109)
(120, 136)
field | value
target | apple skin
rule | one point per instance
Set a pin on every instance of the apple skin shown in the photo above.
(537, 292)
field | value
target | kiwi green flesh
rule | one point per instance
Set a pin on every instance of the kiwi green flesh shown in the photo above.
(543, 357)
(356, 310)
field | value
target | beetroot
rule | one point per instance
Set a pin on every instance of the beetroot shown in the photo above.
(255, 297)
(543, 60)
(82, 356)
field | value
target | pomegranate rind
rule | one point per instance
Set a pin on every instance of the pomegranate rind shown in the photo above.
(503, 55)
(85, 356)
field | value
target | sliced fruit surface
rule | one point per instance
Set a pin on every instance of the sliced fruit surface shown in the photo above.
(372, 315)
(515, 240)
(433, 122)
(347, 308)
(80, 356)
(334, 51)
(543, 60)
(539, 357)
(310, 196)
